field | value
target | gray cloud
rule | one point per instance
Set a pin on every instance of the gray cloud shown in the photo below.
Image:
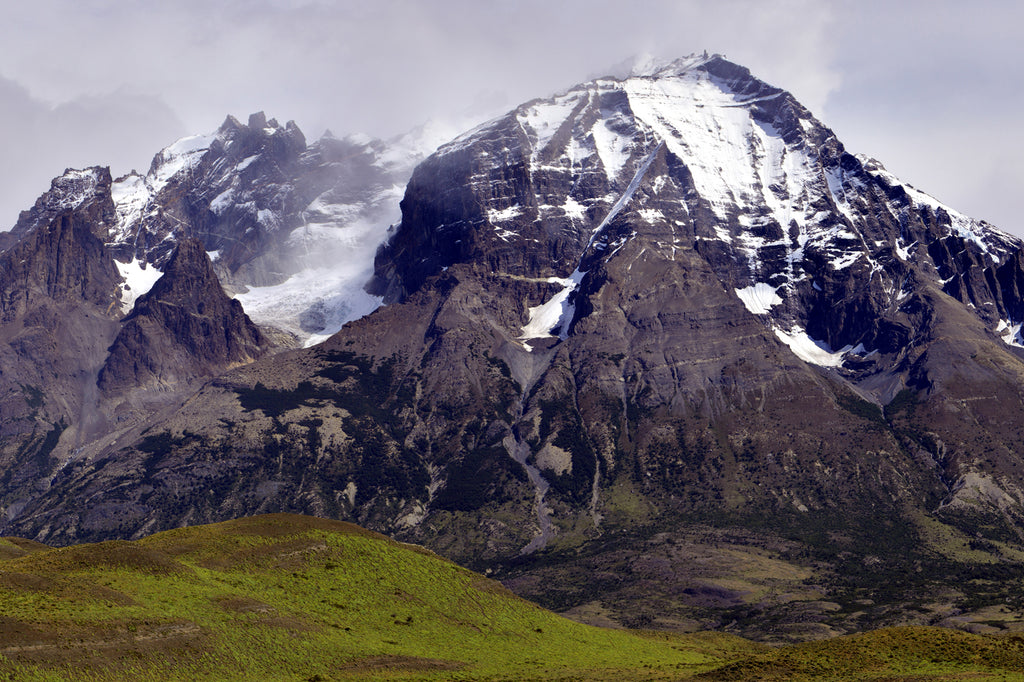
(932, 90)
(120, 129)
(895, 80)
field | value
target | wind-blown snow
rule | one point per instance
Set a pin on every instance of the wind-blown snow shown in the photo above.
(338, 244)
(313, 304)
(759, 298)
(138, 278)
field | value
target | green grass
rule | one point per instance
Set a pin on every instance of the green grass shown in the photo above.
(285, 597)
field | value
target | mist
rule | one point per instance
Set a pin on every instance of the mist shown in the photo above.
(928, 88)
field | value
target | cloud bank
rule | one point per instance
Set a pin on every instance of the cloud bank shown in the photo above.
(926, 87)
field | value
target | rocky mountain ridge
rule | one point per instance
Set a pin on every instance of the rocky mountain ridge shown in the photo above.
(115, 303)
(648, 321)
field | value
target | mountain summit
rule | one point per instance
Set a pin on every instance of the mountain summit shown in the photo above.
(657, 349)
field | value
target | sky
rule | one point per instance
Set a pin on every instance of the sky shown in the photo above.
(931, 88)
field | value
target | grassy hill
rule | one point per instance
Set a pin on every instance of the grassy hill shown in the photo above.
(297, 598)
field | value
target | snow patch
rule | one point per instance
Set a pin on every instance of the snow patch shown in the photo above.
(555, 313)
(845, 260)
(574, 210)
(268, 219)
(651, 215)
(816, 352)
(246, 162)
(628, 194)
(505, 214)
(545, 118)
(180, 156)
(223, 201)
(131, 196)
(612, 147)
(759, 298)
(904, 252)
(1009, 332)
(139, 277)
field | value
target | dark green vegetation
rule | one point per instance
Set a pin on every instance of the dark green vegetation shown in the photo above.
(891, 654)
(299, 598)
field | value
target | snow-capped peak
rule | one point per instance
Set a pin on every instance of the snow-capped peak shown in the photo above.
(180, 156)
(651, 67)
(647, 65)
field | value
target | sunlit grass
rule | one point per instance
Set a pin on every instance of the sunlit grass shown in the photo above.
(318, 599)
(292, 598)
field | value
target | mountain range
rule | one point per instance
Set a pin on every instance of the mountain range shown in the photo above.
(656, 351)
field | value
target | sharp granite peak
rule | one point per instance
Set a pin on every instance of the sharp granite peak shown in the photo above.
(764, 191)
(656, 317)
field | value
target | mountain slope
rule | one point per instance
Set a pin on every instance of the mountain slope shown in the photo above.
(288, 597)
(184, 328)
(112, 312)
(646, 320)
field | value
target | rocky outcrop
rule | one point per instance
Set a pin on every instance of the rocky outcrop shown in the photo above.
(185, 328)
(62, 261)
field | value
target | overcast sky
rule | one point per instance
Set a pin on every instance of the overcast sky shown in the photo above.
(931, 88)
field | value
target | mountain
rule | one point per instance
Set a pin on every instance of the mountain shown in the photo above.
(656, 351)
(184, 326)
(116, 292)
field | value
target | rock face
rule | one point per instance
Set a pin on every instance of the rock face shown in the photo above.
(182, 329)
(73, 365)
(233, 195)
(657, 349)
(58, 288)
(86, 192)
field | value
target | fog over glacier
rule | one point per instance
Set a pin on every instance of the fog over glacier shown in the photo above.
(927, 87)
